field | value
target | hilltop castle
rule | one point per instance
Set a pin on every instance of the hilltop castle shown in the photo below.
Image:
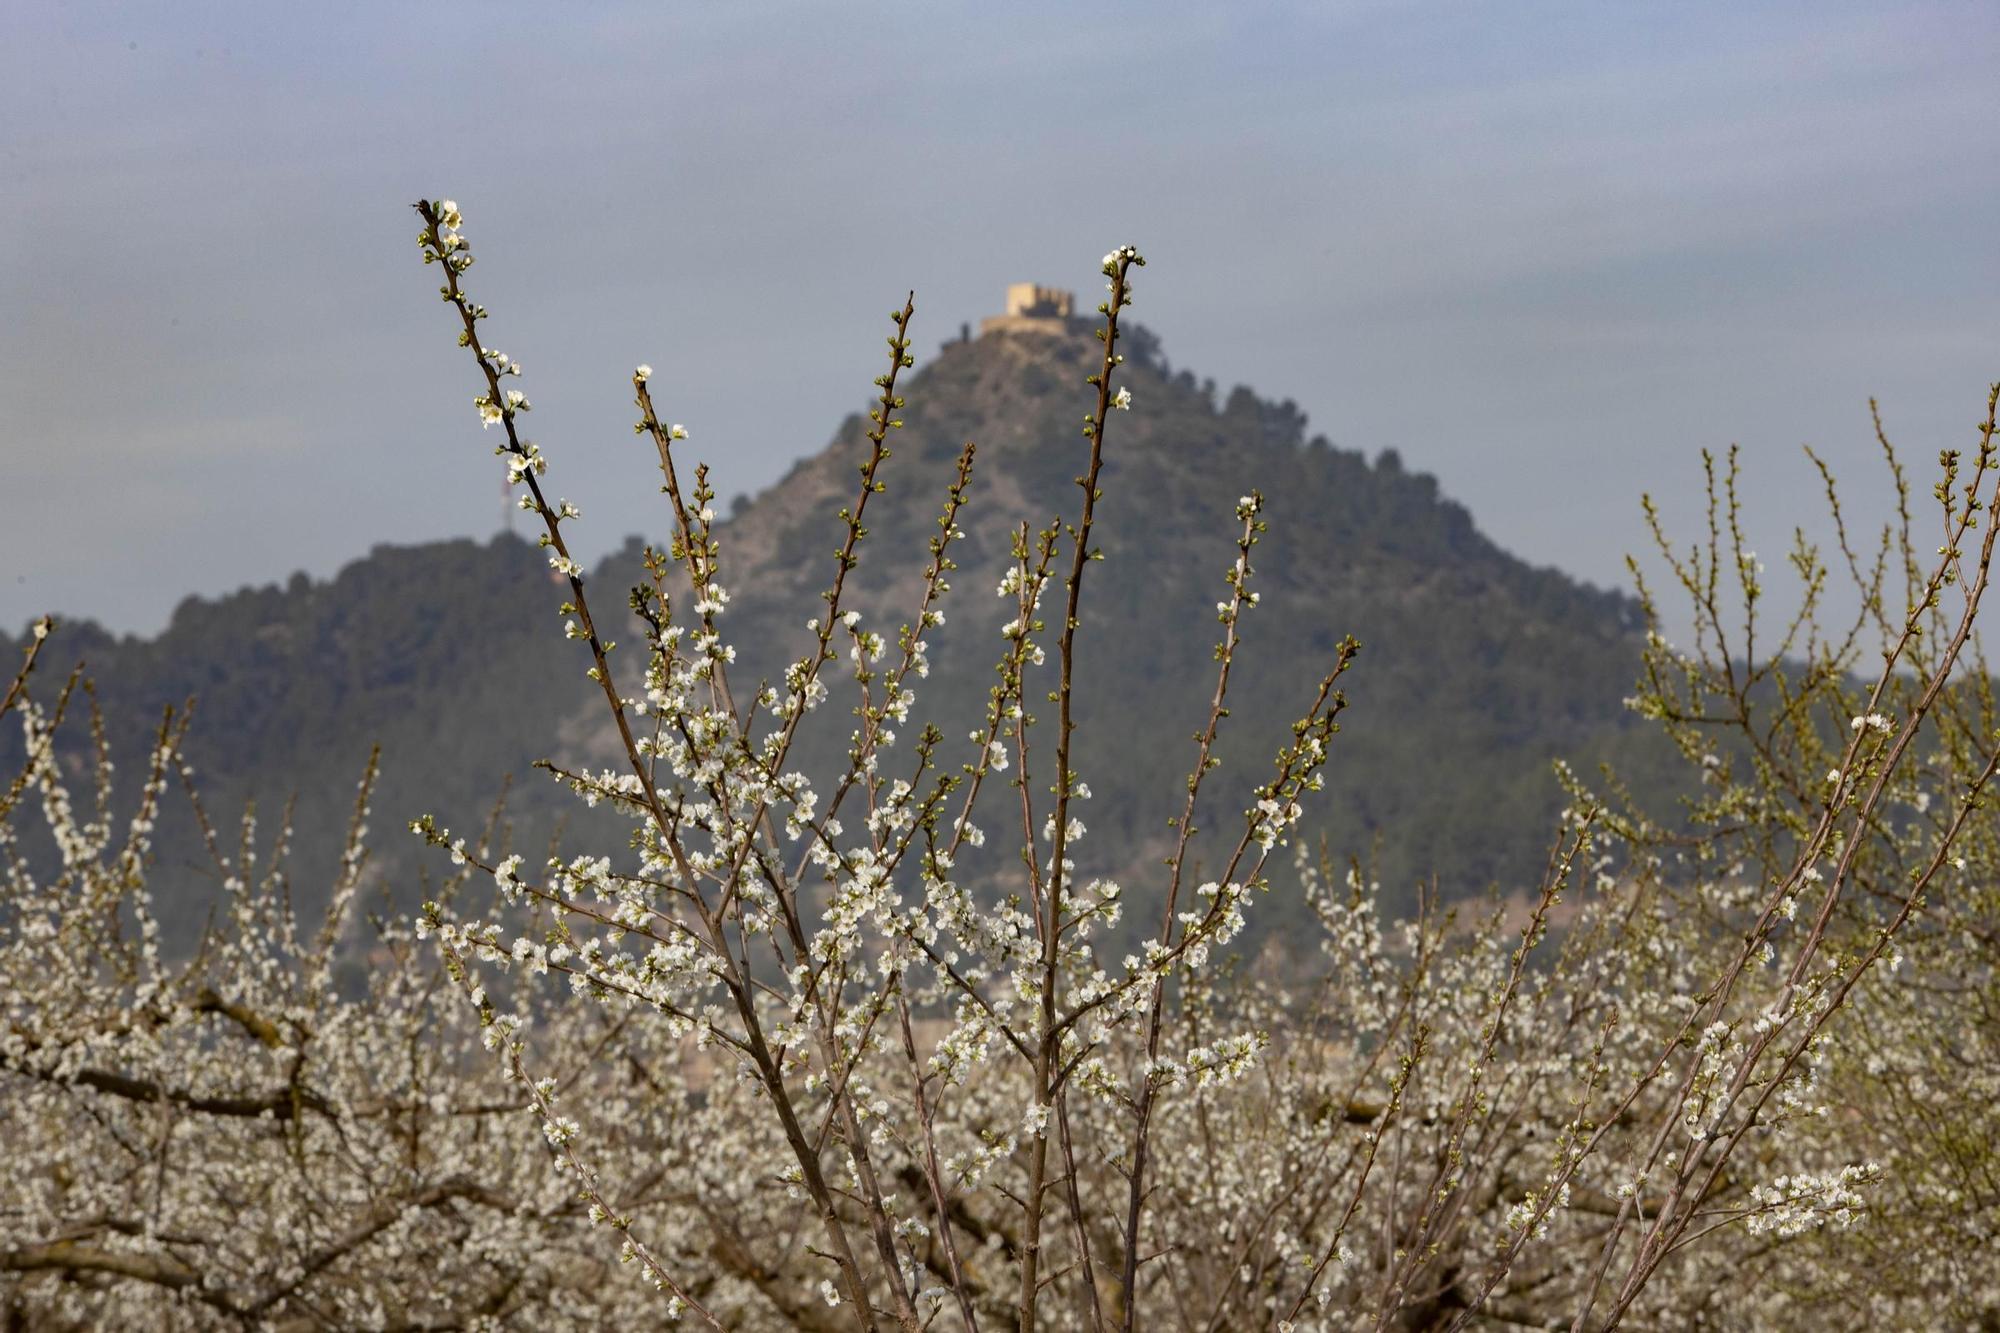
(1031, 309)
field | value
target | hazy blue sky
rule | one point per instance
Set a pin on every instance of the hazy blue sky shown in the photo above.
(1546, 251)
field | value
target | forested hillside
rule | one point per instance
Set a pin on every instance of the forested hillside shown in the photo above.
(1476, 671)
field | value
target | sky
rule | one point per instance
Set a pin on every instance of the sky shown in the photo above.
(1546, 252)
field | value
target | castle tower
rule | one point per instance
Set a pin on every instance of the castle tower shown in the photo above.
(1032, 308)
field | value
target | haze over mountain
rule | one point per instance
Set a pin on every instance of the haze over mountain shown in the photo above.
(1476, 671)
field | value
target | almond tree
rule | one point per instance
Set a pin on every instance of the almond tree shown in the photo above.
(954, 1061)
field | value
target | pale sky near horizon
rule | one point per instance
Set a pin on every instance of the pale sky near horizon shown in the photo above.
(1547, 252)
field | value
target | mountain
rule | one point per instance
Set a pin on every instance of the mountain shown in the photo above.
(1477, 669)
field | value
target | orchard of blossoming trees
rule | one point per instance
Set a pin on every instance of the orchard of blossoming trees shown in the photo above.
(879, 1048)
